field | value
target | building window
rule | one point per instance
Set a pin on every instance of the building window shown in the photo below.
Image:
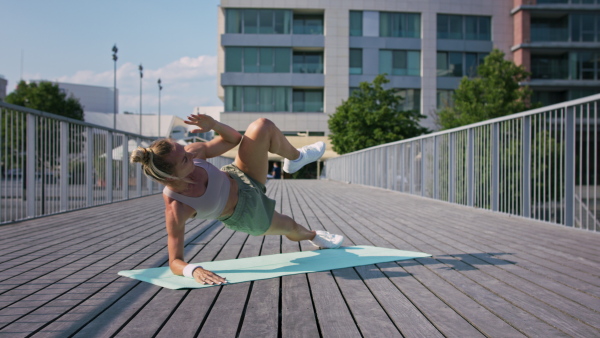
(550, 66)
(400, 62)
(356, 23)
(307, 100)
(399, 25)
(464, 27)
(356, 61)
(549, 29)
(584, 66)
(257, 21)
(444, 98)
(308, 62)
(585, 27)
(459, 64)
(257, 99)
(308, 24)
(257, 60)
(411, 99)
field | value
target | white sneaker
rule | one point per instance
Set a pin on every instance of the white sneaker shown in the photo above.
(308, 154)
(325, 240)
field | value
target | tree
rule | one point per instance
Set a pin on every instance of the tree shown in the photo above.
(47, 97)
(494, 93)
(371, 116)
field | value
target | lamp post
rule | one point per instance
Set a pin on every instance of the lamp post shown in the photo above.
(115, 50)
(159, 90)
(141, 76)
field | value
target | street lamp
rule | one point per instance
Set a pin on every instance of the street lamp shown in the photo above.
(159, 90)
(115, 50)
(141, 76)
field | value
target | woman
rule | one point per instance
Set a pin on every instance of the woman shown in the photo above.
(235, 195)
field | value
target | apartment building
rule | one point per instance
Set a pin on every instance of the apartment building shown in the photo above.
(558, 41)
(294, 62)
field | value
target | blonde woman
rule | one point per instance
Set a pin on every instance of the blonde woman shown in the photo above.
(234, 194)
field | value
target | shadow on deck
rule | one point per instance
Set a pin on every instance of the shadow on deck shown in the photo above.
(491, 274)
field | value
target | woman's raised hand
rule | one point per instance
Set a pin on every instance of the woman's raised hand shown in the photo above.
(204, 123)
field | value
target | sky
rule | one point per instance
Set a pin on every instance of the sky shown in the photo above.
(71, 41)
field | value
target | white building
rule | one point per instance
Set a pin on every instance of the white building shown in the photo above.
(294, 62)
(170, 125)
(92, 98)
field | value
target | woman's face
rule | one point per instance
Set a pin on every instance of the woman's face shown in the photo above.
(182, 161)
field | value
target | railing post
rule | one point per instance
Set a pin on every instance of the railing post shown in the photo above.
(64, 166)
(422, 150)
(412, 168)
(451, 174)
(526, 170)
(109, 167)
(125, 163)
(569, 166)
(89, 167)
(138, 174)
(30, 169)
(470, 166)
(495, 192)
(436, 162)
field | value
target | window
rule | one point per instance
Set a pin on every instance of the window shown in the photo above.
(356, 61)
(585, 27)
(444, 98)
(356, 23)
(307, 101)
(458, 64)
(257, 60)
(411, 99)
(400, 62)
(549, 29)
(584, 65)
(257, 21)
(308, 24)
(257, 99)
(549, 66)
(467, 27)
(399, 25)
(308, 62)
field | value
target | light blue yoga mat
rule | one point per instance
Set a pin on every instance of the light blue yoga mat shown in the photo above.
(271, 266)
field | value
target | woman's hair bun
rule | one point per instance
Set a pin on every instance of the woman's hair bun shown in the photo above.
(140, 155)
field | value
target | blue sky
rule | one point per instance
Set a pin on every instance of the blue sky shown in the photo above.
(71, 41)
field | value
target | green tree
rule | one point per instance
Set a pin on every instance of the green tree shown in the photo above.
(47, 97)
(371, 116)
(494, 93)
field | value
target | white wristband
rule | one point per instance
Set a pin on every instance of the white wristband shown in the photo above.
(189, 270)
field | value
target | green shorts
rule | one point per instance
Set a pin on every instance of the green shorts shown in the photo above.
(254, 210)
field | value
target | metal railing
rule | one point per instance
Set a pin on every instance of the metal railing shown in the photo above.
(540, 164)
(52, 164)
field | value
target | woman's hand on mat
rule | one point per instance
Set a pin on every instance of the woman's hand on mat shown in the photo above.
(204, 123)
(208, 277)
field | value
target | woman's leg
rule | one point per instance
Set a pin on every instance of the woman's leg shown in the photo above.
(262, 137)
(285, 225)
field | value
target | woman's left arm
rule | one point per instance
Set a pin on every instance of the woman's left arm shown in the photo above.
(227, 139)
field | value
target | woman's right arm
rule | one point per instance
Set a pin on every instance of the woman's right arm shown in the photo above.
(175, 215)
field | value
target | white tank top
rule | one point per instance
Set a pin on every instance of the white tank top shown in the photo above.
(211, 204)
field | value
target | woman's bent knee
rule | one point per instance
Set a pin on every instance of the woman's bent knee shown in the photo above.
(260, 125)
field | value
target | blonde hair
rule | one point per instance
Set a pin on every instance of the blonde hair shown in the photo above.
(154, 163)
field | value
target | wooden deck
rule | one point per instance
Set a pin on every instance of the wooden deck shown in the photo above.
(491, 274)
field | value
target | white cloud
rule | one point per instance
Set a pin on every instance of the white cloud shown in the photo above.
(187, 82)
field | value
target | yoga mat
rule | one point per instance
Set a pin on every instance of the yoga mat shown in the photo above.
(271, 266)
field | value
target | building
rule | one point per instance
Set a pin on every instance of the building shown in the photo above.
(558, 41)
(3, 85)
(294, 62)
(94, 99)
(170, 125)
